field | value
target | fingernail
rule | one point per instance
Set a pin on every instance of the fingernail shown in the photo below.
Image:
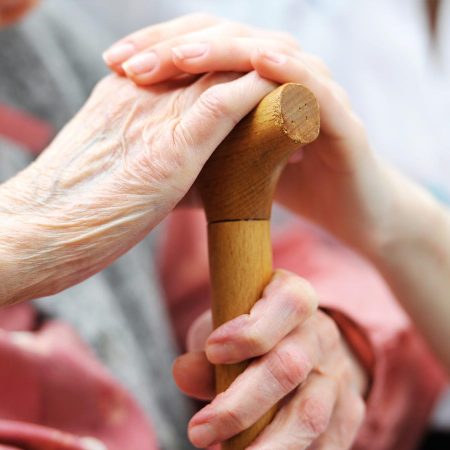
(202, 435)
(190, 50)
(118, 53)
(141, 64)
(274, 57)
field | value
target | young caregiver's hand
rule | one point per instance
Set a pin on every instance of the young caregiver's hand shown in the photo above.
(300, 360)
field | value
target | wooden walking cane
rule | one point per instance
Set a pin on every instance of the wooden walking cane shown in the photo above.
(237, 186)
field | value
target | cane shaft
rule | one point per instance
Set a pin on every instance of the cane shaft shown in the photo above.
(237, 186)
(240, 258)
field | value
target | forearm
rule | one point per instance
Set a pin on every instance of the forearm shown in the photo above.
(17, 244)
(45, 249)
(415, 261)
(28, 268)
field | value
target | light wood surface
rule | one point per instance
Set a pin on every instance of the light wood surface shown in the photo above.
(239, 179)
(237, 186)
(240, 258)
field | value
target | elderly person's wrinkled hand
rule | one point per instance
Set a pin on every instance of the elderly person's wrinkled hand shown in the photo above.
(118, 168)
(299, 360)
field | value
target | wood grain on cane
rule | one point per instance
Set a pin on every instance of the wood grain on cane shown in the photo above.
(237, 186)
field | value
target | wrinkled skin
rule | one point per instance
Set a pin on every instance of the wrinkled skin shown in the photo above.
(299, 360)
(119, 167)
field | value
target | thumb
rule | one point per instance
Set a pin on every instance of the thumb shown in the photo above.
(194, 375)
(199, 332)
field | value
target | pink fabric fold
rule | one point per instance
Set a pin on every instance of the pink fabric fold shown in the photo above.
(55, 395)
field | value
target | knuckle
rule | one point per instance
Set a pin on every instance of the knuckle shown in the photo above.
(181, 137)
(314, 414)
(288, 368)
(232, 419)
(298, 295)
(256, 342)
(214, 104)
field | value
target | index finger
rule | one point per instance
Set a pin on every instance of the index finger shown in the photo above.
(287, 301)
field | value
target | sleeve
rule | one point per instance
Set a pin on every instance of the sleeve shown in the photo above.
(405, 378)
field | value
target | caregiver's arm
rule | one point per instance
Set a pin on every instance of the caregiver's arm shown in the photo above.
(340, 183)
(415, 260)
(114, 172)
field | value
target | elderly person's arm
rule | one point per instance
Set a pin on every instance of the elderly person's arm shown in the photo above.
(115, 171)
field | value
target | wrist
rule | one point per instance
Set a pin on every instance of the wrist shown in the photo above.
(405, 215)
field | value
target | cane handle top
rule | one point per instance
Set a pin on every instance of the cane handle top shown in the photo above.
(238, 181)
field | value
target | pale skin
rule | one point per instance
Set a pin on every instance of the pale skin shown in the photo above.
(338, 181)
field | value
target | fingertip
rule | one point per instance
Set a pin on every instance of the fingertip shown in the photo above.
(141, 67)
(118, 53)
(202, 435)
(178, 371)
(194, 376)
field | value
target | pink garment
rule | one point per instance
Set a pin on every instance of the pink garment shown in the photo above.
(24, 129)
(406, 379)
(56, 396)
